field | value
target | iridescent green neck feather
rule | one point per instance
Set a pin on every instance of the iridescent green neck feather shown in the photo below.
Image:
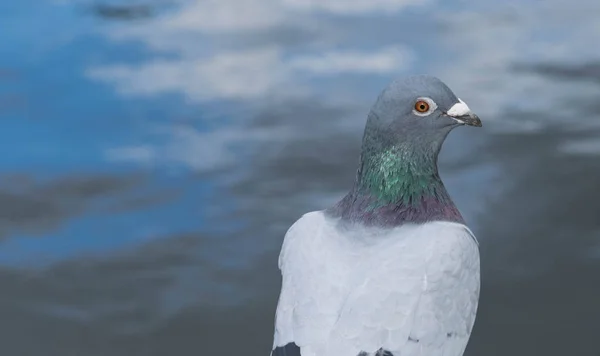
(398, 175)
(397, 183)
(396, 186)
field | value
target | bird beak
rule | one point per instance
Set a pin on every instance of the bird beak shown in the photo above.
(461, 113)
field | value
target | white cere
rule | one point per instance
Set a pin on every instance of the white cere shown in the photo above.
(459, 109)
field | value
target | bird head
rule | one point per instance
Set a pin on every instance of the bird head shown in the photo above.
(418, 110)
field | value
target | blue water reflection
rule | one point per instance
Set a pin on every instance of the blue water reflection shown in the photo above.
(155, 152)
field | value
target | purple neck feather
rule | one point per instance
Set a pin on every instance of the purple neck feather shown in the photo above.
(359, 208)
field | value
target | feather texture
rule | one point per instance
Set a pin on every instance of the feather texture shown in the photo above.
(348, 289)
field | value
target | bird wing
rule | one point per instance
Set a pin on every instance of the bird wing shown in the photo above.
(411, 293)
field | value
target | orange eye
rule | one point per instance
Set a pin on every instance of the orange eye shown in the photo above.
(422, 106)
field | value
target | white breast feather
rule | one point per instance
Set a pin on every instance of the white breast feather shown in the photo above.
(344, 292)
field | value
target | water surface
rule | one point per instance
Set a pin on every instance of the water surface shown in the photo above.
(155, 153)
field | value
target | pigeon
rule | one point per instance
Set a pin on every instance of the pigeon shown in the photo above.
(391, 269)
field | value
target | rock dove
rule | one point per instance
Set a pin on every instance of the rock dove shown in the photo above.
(391, 269)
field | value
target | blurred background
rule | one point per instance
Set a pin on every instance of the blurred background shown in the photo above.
(154, 153)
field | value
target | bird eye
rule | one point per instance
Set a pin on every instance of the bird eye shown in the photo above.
(422, 106)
